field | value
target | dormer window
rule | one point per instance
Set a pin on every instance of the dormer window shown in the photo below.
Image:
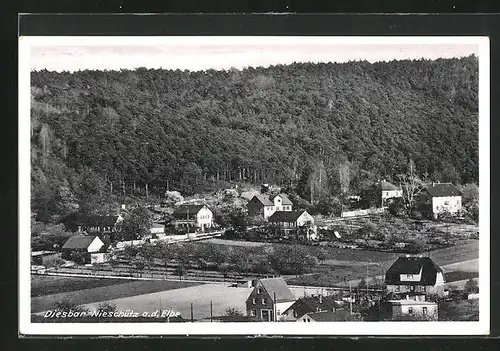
(259, 291)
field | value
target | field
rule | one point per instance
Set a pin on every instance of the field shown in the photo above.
(221, 295)
(121, 289)
(42, 285)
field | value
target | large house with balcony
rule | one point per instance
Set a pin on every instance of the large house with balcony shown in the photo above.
(265, 205)
(437, 198)
(415, 274)
(193, 216)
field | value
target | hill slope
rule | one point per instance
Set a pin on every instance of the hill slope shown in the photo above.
(94, 132)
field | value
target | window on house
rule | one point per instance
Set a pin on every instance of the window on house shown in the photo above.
(253, 313)
(264, 301)
(308, 320)
(410, 310)
(254, 301)
(259, 291)
(424, 310)
(423, 288)
(304, 320)
(397, 288)
(409, 276)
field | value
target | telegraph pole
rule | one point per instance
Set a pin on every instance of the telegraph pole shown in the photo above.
(350, 296)
(211, 314)
(274, 307)
(192, 312)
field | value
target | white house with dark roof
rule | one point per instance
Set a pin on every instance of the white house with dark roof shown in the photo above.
(301, 221)
(81, 243)
(265, 205)
(415, 274)
(269, 299)
(389, 191)
(437, 198)
(193, 216)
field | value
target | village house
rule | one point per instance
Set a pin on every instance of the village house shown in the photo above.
(193, 216)
(380, 194)
(87, 244)
(265, 205)
(299, 221)
(269, 298)
(327, 316)
(310, 304)
(437, 198)
(157, 229)
(389, 191)
(415, 274)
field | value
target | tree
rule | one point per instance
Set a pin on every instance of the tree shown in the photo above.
(66, 305)
(172, 197)
(233, 312)
(411, 185)
(139, 263)
(136, 225)
(107, 307)
(181, 270)
(471, 286)
(291, 259)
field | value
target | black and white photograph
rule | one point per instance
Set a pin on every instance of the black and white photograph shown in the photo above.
(170, 184)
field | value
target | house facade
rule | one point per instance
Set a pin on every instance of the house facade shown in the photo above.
(399, 309)
(389, 191)
(440, 197)
(193, 216)
(415, 274)
(269, 298)
(265, 205)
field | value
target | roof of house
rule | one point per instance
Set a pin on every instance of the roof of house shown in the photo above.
(385, 185)
(279, 287)
(412, 265)
(330, 316)
(185, 209)
(263, 199)
(284, 199)
(443, 189)
(98, 221)
(79, 241)
(285, 216)
(309, 304)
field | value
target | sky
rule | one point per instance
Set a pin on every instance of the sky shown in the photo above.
(205, 54)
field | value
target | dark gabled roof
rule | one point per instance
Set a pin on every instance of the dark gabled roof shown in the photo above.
(285, 216)
(79, 241)
(312, 303)
(385, 185)
(329, 316)
(263, 199)
(412, 265)
(279, 287)
(443, 189)
(185, 209)
(97, 221)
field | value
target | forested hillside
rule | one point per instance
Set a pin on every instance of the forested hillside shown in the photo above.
(100, 132)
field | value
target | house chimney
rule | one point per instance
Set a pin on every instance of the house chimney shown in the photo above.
(320, 298)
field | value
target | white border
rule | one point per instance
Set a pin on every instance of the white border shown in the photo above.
(481, 327)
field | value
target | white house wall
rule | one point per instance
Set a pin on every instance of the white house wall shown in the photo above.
(204, 218)
(449, 203)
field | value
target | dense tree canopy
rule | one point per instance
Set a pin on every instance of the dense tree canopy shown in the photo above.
(321, 128)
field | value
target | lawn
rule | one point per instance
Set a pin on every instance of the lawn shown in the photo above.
(42, 285)
(127, 288)
(221, 295)
(463, 310)
(459, 275)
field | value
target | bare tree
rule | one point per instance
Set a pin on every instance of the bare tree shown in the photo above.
(411, 186)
